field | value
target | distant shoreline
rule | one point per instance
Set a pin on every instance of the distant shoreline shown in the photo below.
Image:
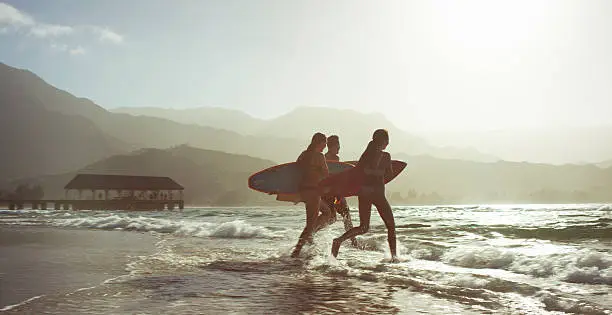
(353, 205)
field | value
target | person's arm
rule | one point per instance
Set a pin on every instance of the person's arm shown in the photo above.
(324, 168)
(389, 165)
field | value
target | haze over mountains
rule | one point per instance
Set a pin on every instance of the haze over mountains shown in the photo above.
(41, 127)
(465, 182)
(354, 128)
(216, 117)
(48, 131)
(50, 115)
(48, 135)
(559, 145)
(569, 145)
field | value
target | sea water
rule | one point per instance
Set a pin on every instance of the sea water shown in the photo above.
(470, 259)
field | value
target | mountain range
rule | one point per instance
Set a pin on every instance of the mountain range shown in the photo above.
(39, 120)
(219, 179)
(354, 128)
(48, 135)
(466, 182)
(569, 144)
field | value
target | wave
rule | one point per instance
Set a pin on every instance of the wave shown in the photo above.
(584, 266)
(232, 229)
(596, 231)
(605, 208)
(10, 307)
(24, 212)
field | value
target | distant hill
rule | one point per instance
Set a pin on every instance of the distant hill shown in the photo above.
(44, 130)
(354, 128)
(22, 88)
(215, 117)
(209, 177)
(35, 140)
(457, 181)
(219, 179)
(66, 132)
(552, 145)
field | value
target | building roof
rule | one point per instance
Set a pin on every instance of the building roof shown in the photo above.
(102, 182)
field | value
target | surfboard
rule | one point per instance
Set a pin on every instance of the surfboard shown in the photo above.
(284, 178)
(348, 182)
(397, 165)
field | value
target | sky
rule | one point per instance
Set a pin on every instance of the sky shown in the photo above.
(426, 65)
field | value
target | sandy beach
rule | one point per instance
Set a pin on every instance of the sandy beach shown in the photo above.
(40, 261)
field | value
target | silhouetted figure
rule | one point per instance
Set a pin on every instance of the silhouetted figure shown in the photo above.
(375, 165)
(313, 168)
(337, 203)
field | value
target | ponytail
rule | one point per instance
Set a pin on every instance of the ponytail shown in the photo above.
(366, 156)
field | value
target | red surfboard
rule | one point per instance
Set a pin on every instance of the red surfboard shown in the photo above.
(348, 183)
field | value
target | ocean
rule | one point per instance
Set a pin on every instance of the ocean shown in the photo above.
(465, 259)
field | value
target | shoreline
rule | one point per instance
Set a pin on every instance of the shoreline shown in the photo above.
(38, 261)
(352, 203)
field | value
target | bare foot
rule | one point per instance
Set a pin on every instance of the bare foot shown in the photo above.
(296, 251)
(336, 247)
(394, 260)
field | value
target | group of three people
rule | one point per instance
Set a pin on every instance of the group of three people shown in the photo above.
(321, 209)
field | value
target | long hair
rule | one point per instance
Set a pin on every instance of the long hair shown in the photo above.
(317, 139)
(367, 155)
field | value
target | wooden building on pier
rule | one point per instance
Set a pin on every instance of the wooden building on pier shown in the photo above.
(114, 192)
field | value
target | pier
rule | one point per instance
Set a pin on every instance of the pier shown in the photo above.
(110, 192)
(120, 204)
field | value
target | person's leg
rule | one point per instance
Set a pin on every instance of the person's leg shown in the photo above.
(384, 209)
(311, 199)
(327, 216)
(346, 218)
(329, 202)
(365, 210)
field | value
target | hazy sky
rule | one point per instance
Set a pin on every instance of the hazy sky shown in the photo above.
(427, 65)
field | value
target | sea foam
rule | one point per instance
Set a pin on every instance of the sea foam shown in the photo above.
(231, 229)
(581, 266)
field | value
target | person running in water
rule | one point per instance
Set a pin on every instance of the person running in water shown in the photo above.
(338, 204)
(314, 168)
(375, 164)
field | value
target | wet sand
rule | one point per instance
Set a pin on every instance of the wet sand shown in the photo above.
(37, 261)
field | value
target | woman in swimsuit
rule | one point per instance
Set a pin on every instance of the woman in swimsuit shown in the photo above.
(375, 164)
(314, 168)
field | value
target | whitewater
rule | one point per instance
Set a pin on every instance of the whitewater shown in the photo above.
(464, 259)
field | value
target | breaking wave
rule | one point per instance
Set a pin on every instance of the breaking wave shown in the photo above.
(584, 266)
(232, 229)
